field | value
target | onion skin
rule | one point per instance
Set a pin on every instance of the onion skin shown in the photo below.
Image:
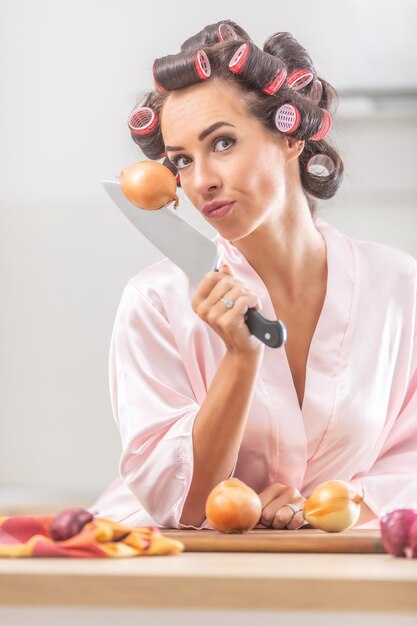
(233, 507)
(399, 532)
(333, 506)
(69, 523)
(149, 185)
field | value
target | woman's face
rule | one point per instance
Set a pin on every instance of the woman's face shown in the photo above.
(223, 153)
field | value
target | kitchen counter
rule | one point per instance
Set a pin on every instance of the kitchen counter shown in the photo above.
(268, 581)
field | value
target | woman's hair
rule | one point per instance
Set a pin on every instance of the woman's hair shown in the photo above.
(278, 83)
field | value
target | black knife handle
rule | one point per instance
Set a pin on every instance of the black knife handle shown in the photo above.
(271, 333)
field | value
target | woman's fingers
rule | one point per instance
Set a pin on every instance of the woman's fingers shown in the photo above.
(298, 520)
(271, 492)
(276, 512)
(210, 302)
(209, 282)
(284, 516)
(206, 286)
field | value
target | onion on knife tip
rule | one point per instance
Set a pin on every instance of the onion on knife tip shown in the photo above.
(149, 185)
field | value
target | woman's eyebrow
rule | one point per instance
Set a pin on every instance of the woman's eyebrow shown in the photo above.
(202, 135)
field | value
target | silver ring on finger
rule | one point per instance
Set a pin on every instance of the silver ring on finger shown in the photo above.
(228, 302)
(293, 509)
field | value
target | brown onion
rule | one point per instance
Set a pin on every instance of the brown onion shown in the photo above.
(333, 506)
(149, 185)
(233, 507)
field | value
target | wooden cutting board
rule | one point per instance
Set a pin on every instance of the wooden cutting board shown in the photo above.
(267, 540)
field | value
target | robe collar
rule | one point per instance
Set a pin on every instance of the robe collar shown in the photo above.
(302, 430)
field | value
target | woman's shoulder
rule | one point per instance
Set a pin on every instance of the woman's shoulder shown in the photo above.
(165, 279)
(162, 284)
(163, 273)
(374, 257)
(386, 256)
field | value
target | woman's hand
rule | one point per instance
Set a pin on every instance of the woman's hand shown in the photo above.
(229, 324)
(276, 513)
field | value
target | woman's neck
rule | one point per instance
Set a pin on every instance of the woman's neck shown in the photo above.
(288, 253)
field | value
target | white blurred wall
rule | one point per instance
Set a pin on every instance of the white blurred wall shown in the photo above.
(69, 75)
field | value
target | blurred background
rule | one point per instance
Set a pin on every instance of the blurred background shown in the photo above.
(69, 75)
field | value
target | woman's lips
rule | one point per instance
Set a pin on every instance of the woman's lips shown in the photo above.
(221, 211)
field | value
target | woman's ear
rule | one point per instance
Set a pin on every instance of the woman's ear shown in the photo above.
(294, 147)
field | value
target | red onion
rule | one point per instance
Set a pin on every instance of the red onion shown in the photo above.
(69, 523)
(399, 532)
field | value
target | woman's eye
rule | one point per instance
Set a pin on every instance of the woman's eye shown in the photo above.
(224, 142)
(177, 161)
(220, 145)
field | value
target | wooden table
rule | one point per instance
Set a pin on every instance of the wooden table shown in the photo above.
(237, 580)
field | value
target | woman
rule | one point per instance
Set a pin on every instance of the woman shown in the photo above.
(196, 397)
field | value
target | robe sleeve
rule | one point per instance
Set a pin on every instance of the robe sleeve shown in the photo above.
(391, 482)
(154, 407)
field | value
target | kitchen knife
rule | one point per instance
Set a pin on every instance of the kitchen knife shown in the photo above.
(192, 252)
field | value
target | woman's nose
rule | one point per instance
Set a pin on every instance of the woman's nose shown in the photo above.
(206, 178)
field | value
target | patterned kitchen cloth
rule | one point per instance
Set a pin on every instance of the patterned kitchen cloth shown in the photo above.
(28, 536)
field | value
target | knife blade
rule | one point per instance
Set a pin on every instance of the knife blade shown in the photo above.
(192, 252)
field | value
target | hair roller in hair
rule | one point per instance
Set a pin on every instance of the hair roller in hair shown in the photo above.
(202, 65)
(157, 85)
(287, 118)
(177, 71)
(276, 83)
(324, 128)
(226, 32)
(143, 121)
(239, 59)
(299, 79)
(320, 165)
(275, 38)
(316, 91)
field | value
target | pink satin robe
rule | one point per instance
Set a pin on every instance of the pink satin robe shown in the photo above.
(358, 420)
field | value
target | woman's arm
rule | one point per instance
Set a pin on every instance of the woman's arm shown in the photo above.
(157, 392)
(218, 430)
(219, 425)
